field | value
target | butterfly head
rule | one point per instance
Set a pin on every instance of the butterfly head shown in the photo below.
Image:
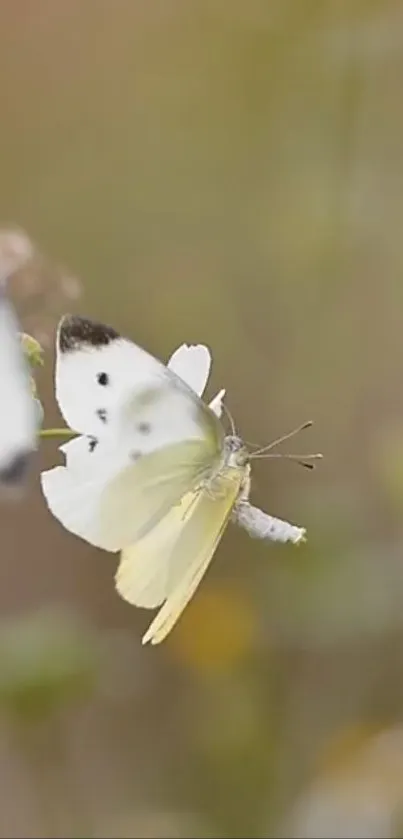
(235, 451)
(237, 455)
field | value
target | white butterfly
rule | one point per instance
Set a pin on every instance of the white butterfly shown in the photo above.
(153, 474)
(18, 413)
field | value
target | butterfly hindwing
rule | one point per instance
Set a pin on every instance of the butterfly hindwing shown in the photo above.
(112, 511)
(169, 562)
(138, 498)
(144, 577)
(193, 551)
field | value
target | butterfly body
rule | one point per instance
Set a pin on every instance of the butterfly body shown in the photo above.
(232, 466)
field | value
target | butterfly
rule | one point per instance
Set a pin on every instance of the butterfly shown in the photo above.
(153, 473)
(19, 412)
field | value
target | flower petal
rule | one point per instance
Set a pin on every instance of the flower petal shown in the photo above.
(192, 363)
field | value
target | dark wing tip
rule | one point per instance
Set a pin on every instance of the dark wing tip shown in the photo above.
(74, 331)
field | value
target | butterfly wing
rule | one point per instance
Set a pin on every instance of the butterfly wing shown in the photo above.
(192, 364)
(151, 440)
(193, 552)
(18, 414)
(170, 561)
(107, 387)
(144, 575)
(111, 511)
(95, 367)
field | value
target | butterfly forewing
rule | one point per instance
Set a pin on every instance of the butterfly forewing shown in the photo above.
(107, 386)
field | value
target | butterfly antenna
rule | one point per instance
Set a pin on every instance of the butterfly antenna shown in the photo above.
(283, 438)
(301, 459)
(230, 418)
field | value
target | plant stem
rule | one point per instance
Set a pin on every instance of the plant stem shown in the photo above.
(57, 432)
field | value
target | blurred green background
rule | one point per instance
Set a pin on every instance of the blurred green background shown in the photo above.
(230, 173)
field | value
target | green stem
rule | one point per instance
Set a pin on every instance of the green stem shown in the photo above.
(57, 432)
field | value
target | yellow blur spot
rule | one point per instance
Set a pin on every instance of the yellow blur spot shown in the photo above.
(216, 630)
(346, 745)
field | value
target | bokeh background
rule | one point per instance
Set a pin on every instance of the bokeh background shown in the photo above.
(230, 173)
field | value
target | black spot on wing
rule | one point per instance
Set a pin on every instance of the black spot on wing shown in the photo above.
(92, 444)
(74, 331)
(102, 414)
(103, 379)
(143, 427)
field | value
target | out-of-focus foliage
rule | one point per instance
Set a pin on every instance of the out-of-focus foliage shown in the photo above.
(34, 355)
(44, 662)
(32, 350)
(232, 173)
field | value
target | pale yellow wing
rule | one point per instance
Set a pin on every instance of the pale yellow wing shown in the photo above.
(144, 574)
(142, 494)
(193, 551)
(112, 513)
